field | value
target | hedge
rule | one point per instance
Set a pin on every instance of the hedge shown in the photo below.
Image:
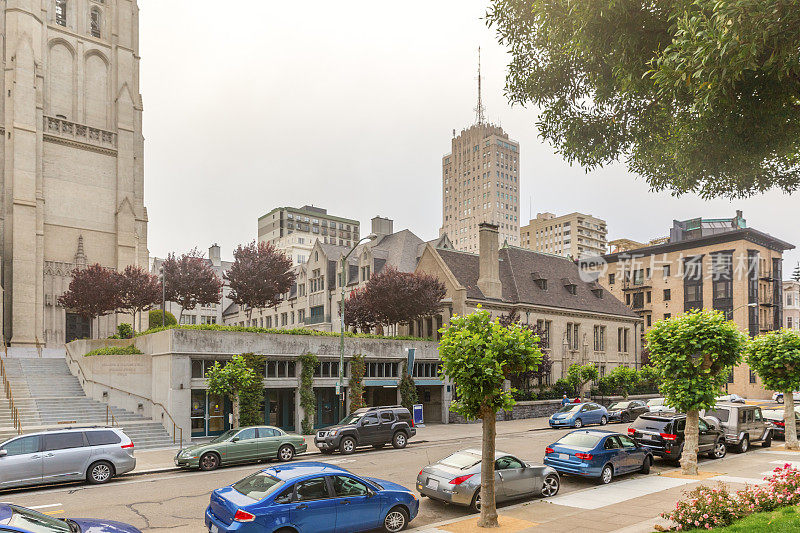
(115, 350)
(296, 331)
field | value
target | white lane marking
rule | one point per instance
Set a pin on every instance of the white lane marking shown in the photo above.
(617, 492)
(45, 506)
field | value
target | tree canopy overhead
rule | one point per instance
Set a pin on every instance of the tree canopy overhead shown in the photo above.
(697, 96)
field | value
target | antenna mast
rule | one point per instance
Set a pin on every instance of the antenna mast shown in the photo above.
(480, 109)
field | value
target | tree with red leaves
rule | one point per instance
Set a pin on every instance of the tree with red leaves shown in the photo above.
(93, 292)
(394, 297)
(260, 274)
(191, 281)
(138, 291)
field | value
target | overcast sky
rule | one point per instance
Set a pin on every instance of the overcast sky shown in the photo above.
(350, 106)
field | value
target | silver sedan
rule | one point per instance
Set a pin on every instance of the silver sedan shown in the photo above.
(457, 479)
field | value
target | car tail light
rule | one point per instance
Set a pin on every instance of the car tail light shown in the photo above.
(420, 472)
(128, 445)
(631, 431)
(780, 424)
(460, 479)
(548, 450)
(668, 436)
(584, 456)
(243, 516)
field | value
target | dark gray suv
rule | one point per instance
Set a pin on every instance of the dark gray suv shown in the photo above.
(375, 426)
(93, 454)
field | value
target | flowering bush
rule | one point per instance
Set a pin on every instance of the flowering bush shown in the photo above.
(782, 489)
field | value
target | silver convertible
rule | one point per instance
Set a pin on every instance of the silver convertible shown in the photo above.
(457, 479)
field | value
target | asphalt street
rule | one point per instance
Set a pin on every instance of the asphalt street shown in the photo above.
(176, 501)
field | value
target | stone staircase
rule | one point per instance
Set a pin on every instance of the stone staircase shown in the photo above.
(47, 395)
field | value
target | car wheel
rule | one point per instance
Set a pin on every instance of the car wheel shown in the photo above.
(399, 440)
(396, 520)
(648, 462)
(286, 453)
(766, 443)
(606, 475)
(578, 423)
(476, 501)
(625, 418)
(603, 420)
(719, 450)
(100, 472)
(779, 399)
(550, 486)
(744, 445)
(209, 461)
(347, 446)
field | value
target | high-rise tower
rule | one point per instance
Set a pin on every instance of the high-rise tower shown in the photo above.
(480, 182)
(73, 151)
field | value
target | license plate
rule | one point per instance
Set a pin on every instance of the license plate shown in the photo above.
(213, 528)
(432, 484)
(563, 456)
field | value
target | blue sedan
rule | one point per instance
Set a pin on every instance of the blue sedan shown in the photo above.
(577, 415)
(599, 454)
(310, 496)
(22, 520)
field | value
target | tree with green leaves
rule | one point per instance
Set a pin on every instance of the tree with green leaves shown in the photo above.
(695, 96)
(693, 354)
(620, 380)
(356, 383)
(230, 380)
(478, 355)
(408, 389)
(775, 357)
(579, 375)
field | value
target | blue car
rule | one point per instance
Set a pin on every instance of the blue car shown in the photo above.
(577, 415)
(598, 454)
(22, 520)
(305, 497)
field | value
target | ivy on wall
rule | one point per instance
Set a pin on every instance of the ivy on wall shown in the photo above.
(251, 399)
(356, 384)
(408, 389)
(308, 401)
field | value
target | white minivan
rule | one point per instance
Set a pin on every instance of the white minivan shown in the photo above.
(658, 405)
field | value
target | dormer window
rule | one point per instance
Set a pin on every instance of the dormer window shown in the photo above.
(61, 12)
(539, 280)
(598, 291)
(570, 285)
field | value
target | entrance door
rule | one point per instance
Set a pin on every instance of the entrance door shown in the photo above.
(198, 413)
(77, 327)
(327, 407)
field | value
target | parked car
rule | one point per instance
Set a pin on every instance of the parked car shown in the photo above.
(778, 396)
(659, 405)
(742, 425)
(456, 479)
(663, 435)
(93, 454)
(21, 520)
(626, 411)
(730, 398)
(308, 496)
(243, 445)
(375, 426)
(599, 454)
(775, 418)
(576, 415)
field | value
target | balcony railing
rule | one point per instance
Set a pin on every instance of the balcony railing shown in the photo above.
(62, 128)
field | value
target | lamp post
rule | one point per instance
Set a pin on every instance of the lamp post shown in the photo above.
(343, 283)
(751, 304)
(163, 295)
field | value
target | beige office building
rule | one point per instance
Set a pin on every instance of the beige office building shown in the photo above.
(480, 183)
(575, 235)
(73, 155)
(791, 305)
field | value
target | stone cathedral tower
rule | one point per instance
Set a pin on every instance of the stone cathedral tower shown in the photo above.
(72, 174)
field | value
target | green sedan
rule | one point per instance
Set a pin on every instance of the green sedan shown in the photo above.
(243, 445)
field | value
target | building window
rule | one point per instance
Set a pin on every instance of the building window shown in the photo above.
(381, 370)
(611, 279)
(667, 295)
(649, 296)
(666, 271)
(622, 340)
(61, 12)
(544, 332)
(573, 334)
(599, 338)
(752, 376)
(649, 320)
(95, 22)
(667, 316)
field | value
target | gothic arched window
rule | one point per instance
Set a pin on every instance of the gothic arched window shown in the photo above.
(61, 12)
(95, 22)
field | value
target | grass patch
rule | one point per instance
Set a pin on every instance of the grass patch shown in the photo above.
(785, 520)
(115, 350)
(297, 331)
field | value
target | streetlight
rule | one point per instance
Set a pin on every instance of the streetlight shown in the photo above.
(751, 304)
(163, 295)
(343, 283)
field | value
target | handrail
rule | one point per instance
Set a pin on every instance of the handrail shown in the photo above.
(15, 418)
(176, 429)
(110, 414)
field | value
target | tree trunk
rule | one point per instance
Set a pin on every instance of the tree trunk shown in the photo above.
(691, 434)
(235, 412)
(789, 421)
(488, 506)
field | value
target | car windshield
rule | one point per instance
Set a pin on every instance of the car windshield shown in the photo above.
(36, 522)
(225, 436)
(580, 440)
(572, 408)
(620, 405)
(461, 460)
(352, 418)
(258, 486)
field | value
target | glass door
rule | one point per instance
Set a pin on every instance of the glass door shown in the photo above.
(198, 413)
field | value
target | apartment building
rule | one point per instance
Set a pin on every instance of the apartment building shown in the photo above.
(791, 304)
(576, 235)
(706, 264)
(295, 230)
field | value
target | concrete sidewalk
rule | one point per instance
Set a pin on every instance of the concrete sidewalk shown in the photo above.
(162, 459)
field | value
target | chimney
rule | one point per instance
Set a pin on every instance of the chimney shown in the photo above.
(382, 227)
(489, 257)
(214, 255)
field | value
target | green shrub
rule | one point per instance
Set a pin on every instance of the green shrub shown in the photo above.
(125, 331)
(154, 319)
(296, 331)
(562, 387)
(356, 384)
(251, 399)
(524, 395)
(408, 389)
(308, 401)
(115, 350)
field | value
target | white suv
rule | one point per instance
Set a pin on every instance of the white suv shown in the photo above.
(778, 396)
(658, 405)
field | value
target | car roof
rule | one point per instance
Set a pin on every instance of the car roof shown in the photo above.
(661, 414)
(598, 432)
(295, 471)
(475, 451)
(729, 405)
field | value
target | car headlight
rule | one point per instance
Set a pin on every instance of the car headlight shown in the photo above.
(333, 432)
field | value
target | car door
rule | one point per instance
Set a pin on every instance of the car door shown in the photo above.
(269, 439)
(637, 408)
(66, 456)
(357, 507)
(313, 508)
(22, 462)
(634, 454)
(243, 446)
(707, 438)
(368, 431)
(386, 419)
(759, 424)
(615, 454)
(594, 413)
(513, 479)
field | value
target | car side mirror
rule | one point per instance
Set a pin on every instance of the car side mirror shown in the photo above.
(370, 493)
(235, 439)
(3, 453)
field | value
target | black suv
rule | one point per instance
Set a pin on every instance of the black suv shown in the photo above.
(376, 426)
(662, 434)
